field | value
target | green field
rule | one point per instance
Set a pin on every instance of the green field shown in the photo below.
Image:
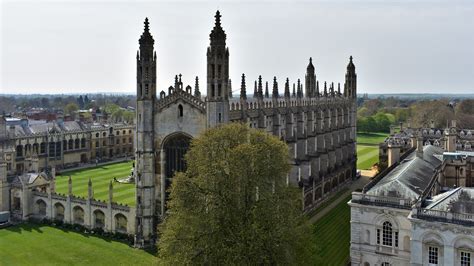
(332, 236)
(367, 156)
(368, 149)
(45, 245)
(370, 138)
(101, 177)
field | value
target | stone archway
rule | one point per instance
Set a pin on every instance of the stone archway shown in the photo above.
(99, 219)
(58, 211)
(174, 147)
(41, 207)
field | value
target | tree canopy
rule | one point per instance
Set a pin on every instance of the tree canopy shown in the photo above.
(233, 204)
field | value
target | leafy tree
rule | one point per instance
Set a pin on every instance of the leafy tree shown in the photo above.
(233, 206)
(382, 122)
(71, 109)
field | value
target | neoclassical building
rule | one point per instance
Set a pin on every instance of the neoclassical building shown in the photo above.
(318, 124)
(419, 210)
(29, 155)
(39, 145)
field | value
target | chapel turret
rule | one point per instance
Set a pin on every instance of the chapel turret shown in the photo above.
(350, 86)
(217, 76)
(145, 151)
(310, 80)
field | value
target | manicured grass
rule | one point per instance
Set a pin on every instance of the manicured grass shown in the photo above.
(367, 156)
(326, 203)
(370, 138)
(332, 236)
(28, 244)
(101, 177)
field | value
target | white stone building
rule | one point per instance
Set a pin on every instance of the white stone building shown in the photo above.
(408, 215)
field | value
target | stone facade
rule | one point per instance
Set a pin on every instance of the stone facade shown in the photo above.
(33, 146)
(418, 211)
(318, 125)
(32, 196)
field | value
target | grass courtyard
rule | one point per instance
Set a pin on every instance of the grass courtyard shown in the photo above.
(368, 149)
(367, 156)
(28, 244)
(332, 236)
(371, 138)
(101, 177)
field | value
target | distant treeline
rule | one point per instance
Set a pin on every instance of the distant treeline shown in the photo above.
(374, 114)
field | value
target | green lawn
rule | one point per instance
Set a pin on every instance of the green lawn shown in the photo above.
(367, 156)
(370, 138)
(101, 177)
(332, 236)
(28, 244)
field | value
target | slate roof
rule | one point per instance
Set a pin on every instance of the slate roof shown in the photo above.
(459, 200)
(410, 178)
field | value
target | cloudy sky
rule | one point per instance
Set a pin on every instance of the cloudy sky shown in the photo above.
(90, 46)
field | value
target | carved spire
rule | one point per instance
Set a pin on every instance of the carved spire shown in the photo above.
(310, 65)
(147, 29)
(243, 89)
(176, 82)
(325, 89)
(230, 88)
(217, 35)
(299, 91)
(287, 88)
(146, 38)
(351, 66)
(350, 85)
(294, 91)
(260, 89)
(275, 88)
(197, 93)
(339, 88)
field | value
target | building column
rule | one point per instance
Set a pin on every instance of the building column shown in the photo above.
(448, 255)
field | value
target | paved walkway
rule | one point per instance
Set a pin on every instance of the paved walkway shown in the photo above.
(358, 184)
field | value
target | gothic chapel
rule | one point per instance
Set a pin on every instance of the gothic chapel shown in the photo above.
(319, 126)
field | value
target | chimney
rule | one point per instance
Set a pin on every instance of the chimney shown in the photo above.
(432, 124)
(413, 140)
(453, 123)
(393, 153)
(419, 147)
(401, 126)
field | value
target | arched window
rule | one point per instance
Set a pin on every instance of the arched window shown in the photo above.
(59, 211)
(76, 144)
(78, 215)
(83, 143)
(41, 207)
(99, 219)
(19, 151)
(180, 110)
(385, 264)
(120, 223)
(387, 234)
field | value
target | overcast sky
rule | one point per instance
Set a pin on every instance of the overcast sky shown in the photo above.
(88, 46)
